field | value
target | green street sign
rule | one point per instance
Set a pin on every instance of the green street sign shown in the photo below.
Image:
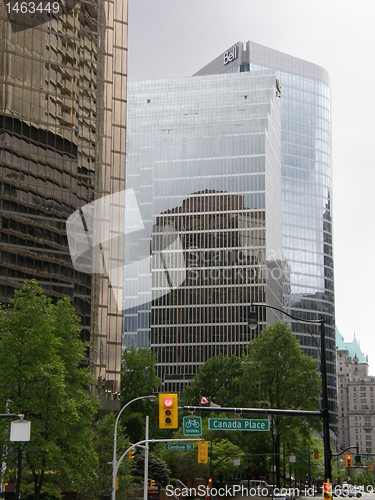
(192, 426)
(179, 447)
(229, 424)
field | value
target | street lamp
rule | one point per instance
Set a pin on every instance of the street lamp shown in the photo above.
(253, 322)
(114, 462)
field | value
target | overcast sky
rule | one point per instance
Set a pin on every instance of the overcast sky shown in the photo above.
(169, 38)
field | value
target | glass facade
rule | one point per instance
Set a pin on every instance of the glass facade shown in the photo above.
(62, 133)
(306, 160)
(203, 158)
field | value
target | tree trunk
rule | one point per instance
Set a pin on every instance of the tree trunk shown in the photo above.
(38, 483)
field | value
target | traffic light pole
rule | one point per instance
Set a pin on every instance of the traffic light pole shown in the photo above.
(325, 411)
(114, 462)
(145, 477)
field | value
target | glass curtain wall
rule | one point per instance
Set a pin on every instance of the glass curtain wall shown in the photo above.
(203, 158)
(62, 75)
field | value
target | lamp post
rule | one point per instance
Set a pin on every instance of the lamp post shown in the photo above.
(114, 463)
(253, 321)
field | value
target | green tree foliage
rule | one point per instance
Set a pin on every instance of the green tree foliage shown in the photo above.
(278, 374)
(157, 468)
(138, 378)
(103, 445)
(219, 378)
(41, 377)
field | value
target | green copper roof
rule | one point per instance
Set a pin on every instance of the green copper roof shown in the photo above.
(353, 348)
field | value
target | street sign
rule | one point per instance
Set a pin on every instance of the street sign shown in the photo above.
(192, 426)
(229, 424)
(179, 447)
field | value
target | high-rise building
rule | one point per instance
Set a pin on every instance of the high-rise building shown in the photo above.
(62, 133)
(203, 158)
(306, 178)
(356, 395)
(184, 130)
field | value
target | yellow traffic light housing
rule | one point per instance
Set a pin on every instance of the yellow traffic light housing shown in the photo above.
(131, 454)
(348, 460)
(168, 411)
(327, 490)
(202, 452)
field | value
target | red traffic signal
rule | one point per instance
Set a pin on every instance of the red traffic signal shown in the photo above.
(348, 460)
(327, 491)
(168, 411)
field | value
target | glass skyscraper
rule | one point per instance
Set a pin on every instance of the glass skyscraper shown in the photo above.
(186, 144)
(62, 133)
(306, 177)
(203, 158)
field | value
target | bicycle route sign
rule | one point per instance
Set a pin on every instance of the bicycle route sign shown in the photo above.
(192, 426)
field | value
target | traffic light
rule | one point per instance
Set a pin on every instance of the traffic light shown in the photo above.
(131, 454)
(168, 411)
(348, 460)
(327, 490)
(151, 484)
(202, 452)
(209, 482)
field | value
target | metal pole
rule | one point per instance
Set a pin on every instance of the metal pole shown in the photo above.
(325, 411)
(114, 462)
(145, 479)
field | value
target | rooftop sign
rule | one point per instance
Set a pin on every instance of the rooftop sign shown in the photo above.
(230, 55)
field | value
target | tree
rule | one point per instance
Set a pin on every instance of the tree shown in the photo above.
(157, 468)
(138, 378)
(103, 445)
(219, 378)
(41, 377)
(278, 374)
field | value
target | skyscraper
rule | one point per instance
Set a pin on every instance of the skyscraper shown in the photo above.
(62, 114)
(178, 137)
(306, 177)
(203, 159)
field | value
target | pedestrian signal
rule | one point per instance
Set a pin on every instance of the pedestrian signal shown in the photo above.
(168, 411)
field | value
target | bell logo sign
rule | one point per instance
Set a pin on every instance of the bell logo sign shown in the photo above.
(230, 55)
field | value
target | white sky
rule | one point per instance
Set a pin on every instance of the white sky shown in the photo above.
(169, 38)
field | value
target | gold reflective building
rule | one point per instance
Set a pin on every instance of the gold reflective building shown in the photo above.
(62, 136)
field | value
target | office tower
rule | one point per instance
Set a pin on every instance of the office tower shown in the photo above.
(62, 112)
(306, 177)
(203, 159)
